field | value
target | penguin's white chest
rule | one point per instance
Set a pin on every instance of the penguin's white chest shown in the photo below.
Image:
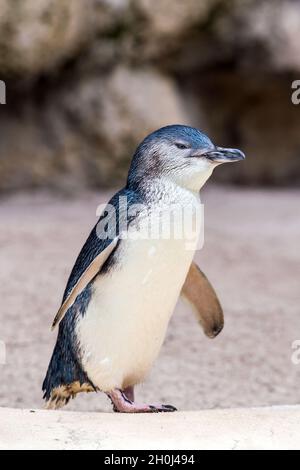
(125, 323)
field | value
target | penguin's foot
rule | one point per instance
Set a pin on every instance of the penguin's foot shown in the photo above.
(122, 404)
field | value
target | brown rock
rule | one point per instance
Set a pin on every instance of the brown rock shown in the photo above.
(87, 80)
(84, 134)
(39, 36)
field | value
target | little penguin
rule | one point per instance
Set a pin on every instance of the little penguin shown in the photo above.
(127, 279)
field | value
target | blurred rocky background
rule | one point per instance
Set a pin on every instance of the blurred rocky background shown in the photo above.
(88, 79)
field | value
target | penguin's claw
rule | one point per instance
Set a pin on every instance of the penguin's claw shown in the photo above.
(162, 408)
(121, 404)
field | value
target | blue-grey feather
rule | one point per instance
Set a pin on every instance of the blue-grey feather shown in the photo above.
(65, 365)
(172, 134)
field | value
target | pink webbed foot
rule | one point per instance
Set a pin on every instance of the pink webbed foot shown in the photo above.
(122, 404)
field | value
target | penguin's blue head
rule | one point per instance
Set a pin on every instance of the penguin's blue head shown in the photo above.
(179, 153)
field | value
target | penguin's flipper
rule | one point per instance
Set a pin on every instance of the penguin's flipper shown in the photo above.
(88, 275)
(200, 293)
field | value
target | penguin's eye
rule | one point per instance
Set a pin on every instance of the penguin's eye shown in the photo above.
(181, 146)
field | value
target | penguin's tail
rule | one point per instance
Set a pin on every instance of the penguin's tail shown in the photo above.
(65, 376)
(60, 396)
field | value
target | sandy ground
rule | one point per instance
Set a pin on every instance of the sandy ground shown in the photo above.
(251, 255)
(270, 428)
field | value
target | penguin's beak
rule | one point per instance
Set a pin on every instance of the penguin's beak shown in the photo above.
(224, 155)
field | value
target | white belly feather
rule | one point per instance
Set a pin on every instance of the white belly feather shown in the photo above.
(125, 323)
